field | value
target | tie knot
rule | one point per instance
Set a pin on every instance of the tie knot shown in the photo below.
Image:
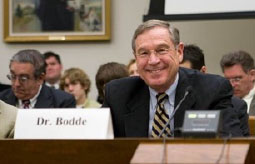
(161, 97)
(26, 103)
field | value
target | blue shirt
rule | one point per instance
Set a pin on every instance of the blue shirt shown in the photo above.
(169, 104)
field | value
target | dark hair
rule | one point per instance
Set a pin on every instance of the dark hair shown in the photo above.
(52, 54)
(194, 55)
(33, 57)
(108, 72)
(237, 57)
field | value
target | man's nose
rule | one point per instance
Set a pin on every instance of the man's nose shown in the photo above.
(16, 82)
(153, 58)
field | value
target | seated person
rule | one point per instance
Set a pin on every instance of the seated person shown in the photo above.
(132, 68)
(4, 87)
(238, 67)
(106, 73)
(27, 72)
(76, 82)
(143, 105)
(7, 120)
(53, 69)
(193, 57)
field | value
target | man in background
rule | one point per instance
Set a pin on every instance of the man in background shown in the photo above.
(53, 69)
(27, 72)
(193, 58)
(238, 68)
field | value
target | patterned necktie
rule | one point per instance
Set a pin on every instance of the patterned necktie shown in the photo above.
(26, 104)
(161, 118)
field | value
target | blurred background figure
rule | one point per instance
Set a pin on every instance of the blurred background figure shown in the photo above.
(238, 68)
(132, 68)
(76, 82)
(53, 69)
(106, 73)
(193, 58)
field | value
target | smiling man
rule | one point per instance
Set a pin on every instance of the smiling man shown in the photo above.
(153, 105)
(27, 72)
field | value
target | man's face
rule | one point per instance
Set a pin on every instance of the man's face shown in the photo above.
(241, 82)
(157, 58)
(76, 89)
(28, 88)
(53, 70)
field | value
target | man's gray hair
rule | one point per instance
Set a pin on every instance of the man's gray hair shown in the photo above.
(237, 57)
(33, 57)
(174, 32)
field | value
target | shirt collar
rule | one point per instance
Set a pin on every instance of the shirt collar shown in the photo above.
(56, 85)
(33, 100)
(170, 92)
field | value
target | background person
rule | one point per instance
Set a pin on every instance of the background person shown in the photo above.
(193, 58)
(238, 68)
(27, 72)
(132, 68)
(53, 69)
(106, 73)
(76, 82)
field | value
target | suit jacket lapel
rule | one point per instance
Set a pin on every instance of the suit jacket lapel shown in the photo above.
(188, 102)
(137, 118)
(45, 99)
(11, 99)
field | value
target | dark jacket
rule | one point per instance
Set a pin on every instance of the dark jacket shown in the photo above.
(129, 98)
(48, 98)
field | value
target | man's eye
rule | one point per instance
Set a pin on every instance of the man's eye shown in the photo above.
(145, 53)
(23, 78)
(162, 51)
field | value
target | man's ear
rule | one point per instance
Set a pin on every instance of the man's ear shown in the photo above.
(41, 78)
(180, 49)
(252, 74)
(203, 69)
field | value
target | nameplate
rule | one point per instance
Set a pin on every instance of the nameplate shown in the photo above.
(64, 124)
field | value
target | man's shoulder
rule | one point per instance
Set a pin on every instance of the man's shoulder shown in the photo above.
(200, 79)
(6, 94)
(56, 92)
(59, 98)
(127, 83)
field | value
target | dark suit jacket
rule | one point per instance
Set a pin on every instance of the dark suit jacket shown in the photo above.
(240, 107)
(128, 99)
(48, 98)
(4, 87)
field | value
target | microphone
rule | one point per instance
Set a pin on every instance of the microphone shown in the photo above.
(188, 90)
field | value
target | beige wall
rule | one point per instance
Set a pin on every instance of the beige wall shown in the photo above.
(215, 37)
